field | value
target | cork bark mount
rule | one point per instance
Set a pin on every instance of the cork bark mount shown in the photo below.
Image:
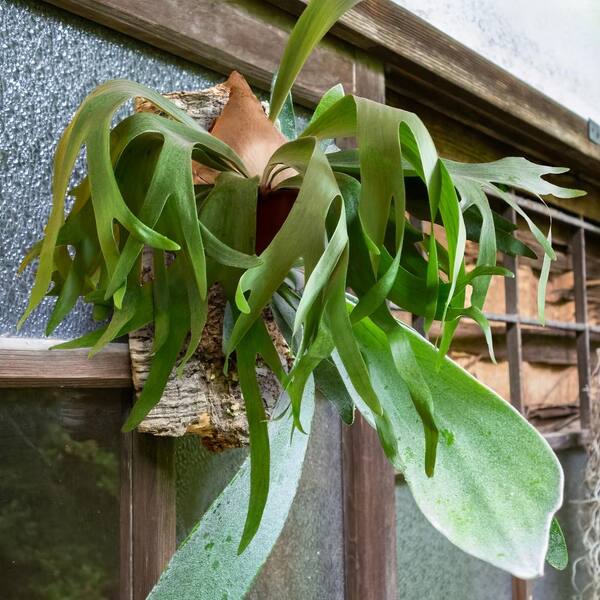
(205, 401)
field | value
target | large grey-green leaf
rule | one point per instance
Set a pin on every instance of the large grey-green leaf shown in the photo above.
(497, 483)
(207, 564)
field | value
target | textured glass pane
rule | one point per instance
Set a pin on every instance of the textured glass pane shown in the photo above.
(429, 566)
(49, 61)
(59, 495)
(307, 561)
(201, 476)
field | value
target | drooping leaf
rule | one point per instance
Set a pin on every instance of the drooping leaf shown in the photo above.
(557, 555)
(493, 499)
(259, 438)
(207, 564)
(313, 24)
(91, 127)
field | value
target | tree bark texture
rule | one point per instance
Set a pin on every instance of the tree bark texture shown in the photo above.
(204, 401)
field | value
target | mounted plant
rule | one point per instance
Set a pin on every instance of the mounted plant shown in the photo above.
(288, 226)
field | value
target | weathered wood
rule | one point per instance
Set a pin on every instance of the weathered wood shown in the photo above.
(368, 477)
(521, 589)
(513, 330)
(241, 35)
(153, 510)
(583, 337)
(559, 440)
(469, 140)
(31, 363)
(126, 509)
(369, 516)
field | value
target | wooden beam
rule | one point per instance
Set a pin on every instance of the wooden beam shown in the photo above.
(435, 66)
(30, 363)
(241, 35)
(153, 510)
(470, 140)
(422, 63)
(126, 508)
(563, 440)
(367, 476)
(369, 516)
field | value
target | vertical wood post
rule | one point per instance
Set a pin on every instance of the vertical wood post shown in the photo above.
(147, 510)
(125, 510)
(521, 589)
(153, 510)
(368, 478)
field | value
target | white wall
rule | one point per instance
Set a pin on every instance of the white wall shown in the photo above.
(553, 45)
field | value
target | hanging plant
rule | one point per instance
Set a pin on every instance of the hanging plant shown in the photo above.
(256, 212)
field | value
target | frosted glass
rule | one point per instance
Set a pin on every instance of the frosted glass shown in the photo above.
(200, 477)
(430, 567)
(49, 61)
(308, 560)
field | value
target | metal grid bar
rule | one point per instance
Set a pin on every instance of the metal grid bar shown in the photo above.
(549, 324)
(548, 211)
(514, 345)
(581, 315)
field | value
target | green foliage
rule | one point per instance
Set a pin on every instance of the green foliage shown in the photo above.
(348, 228)
(558, 555)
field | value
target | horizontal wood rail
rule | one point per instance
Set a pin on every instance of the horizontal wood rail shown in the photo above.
(241, 35)
(563, 440)
(29, 363)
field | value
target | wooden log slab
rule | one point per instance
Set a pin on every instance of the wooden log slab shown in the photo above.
(204, 401)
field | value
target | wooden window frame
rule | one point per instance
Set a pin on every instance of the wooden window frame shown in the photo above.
(376, 45)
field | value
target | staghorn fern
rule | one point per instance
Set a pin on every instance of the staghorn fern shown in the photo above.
(341, 216)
